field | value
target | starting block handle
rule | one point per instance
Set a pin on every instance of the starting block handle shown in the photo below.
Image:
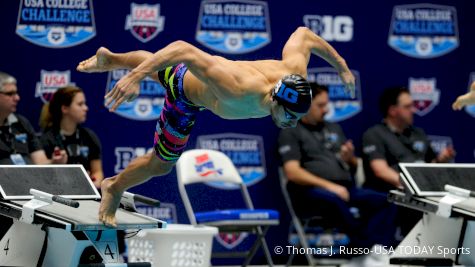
(459, 191)
(147, 200)
(66, 201)
(130, 264)
(55, 198)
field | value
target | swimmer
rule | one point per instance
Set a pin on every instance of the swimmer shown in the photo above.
(195, 80)
(466, 99)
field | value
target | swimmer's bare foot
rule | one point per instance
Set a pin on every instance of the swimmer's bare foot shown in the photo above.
(100, 62)
(109, 203)
(466, 99)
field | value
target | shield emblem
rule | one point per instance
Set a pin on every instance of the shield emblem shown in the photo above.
(144, 21)
(424, 94)
(231, 240)
(50, 82)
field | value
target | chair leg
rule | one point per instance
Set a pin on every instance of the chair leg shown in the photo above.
(256, 245)
(303, 240)
(264, 245)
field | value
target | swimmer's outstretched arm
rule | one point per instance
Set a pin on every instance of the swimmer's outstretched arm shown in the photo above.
(127, 89)
(466, 99)
(303, 42)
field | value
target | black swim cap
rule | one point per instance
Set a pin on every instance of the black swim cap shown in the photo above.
(294, 93)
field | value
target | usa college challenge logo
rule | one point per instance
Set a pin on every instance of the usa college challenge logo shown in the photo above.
(149, 103)
(343, 103)
(424, 30)
(56, 24)
(233, 27)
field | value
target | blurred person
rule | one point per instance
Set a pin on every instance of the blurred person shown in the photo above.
(396, 140)
(320, 164)
(61, 121)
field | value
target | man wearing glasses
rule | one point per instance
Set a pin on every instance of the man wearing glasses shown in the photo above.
(18, 142)
(319, 163)
(396, 140)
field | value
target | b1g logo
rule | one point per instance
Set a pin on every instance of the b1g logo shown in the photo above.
(331, 28)
(124, 155)
(50, 82)
(471, 108)
(424, 94)
(343, 103)
(286, 93)
(149, 103)
(245, 151)
(424, 30)
(233, 27)
(56, 23)
(144, 21)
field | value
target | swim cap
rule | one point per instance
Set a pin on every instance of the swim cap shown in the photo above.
(294, 93)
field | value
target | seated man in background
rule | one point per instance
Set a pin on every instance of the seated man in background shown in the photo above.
(396, 140)
(18, 142)
(319, 163)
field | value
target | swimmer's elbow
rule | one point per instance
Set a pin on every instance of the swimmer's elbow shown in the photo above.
(183, 48)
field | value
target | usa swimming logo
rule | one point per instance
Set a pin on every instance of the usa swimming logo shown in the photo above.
(424, 94)
(343, 103)
(233, 27)
(330, 28)
(231, 240)
(56, 23)
(149, 103)
(204, 166)
(245, 151)
(144, 21)
(471, 108)
(50, 82)
(424, 30)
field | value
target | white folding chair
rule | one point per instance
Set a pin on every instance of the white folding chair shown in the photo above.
(199, 166)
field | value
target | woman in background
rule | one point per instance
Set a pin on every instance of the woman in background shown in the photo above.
(60, 121)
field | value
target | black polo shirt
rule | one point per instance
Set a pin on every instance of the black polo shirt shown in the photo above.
(82, 147)
(17, 136)
(380, 142)
(318, 149)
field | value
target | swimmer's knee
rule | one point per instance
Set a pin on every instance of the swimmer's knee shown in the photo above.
(158, 167)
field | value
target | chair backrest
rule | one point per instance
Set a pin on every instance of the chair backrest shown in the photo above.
(203, 165)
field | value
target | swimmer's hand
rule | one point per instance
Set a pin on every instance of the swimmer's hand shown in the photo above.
(349, 81)
(126, 89)
(466, 99)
